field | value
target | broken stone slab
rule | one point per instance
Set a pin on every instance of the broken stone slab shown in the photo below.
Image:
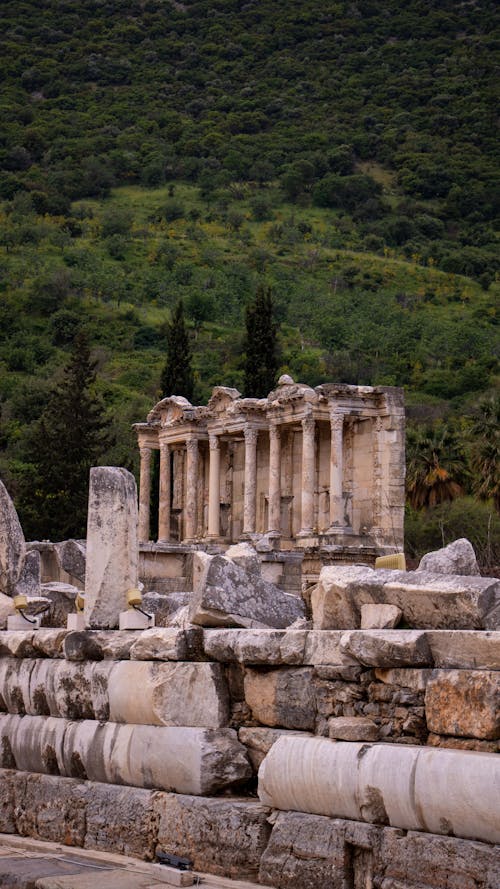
(29, 582)
(12, 544)
(244, 555)
(164, 606)
(98, 645)
(137, 692)
(112, 545)
(284, 698)
(264, 647)
(323, 648)
(258, 741)
(428, 601)
(464, 703)
(222, 836)
(352, 728)
(168, 644)
(180, 759)
(387, 648)
(380, 617)
(456, 558)
(465, 649)
(226, 595)
(62, 598)
(404, 786)
(71, 556)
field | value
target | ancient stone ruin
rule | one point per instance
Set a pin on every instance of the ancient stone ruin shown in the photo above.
(343, 737)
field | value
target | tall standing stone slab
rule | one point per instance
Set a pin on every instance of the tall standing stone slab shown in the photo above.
(112, 545)
(12, 544)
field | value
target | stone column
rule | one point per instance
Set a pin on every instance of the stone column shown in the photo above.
(274, 502)
(336, 469)
(308, 469)
(165, 489)
(144, 493)
(214, 487)
(191, 487)
(377, 475)
(250, 480)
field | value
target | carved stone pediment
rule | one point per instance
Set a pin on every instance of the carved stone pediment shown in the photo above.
(222, 399)
(288, 391)
(170, 410)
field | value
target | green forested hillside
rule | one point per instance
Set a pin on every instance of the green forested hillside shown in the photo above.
(343, 153)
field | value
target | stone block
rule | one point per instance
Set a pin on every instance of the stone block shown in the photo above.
(61, 598)
(413, 788)
(283, 697)
(98, 645)
(6, 610)
(112, 546)
(323, 647)
(181, 759)
(456, 558)
(465, 649)
(164, 606)
(264, 647)
(258, 741)
(168, 644)
(71, 555)
(226, 595)
(464, 703)
(222, 836)
(29, 582)
(380, 617)
(387, 648)
(12, 544)
(131, 619)
(414, 679)
(352, 728)
(428, 601)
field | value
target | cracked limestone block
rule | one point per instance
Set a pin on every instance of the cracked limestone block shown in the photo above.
(352, 728)
(266, 647)
(258, 741)
(181, 694)
(181, 759)
(112, 545)
(29, 582)
(12, 544)
(437, 790)
(337, 598)
(168, 644)
(387, 648)
(283, 697)
(71, 556)
(465, 649)
(380, 617)
(222, 836)
(456, 558)
(98, 645)
(464, 703)
(227, 595)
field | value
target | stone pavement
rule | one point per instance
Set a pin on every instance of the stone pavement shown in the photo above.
(30, 864)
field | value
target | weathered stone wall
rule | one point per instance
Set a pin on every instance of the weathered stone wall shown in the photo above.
(96, 727)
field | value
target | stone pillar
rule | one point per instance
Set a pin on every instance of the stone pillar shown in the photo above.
(377, 475)
(165, 489)
(214, 487)
(308, 470)
(144, 493)
(336, 470)
(274, 502)
(191, 500)
(250, 480)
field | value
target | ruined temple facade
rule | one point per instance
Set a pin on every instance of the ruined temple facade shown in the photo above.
(304, 467)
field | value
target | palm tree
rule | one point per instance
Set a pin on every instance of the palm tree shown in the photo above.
(485, 452)
(435, 468)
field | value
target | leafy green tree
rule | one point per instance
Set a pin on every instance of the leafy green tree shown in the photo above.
(261, 348)
(436, 468)
(70, 437)
(177, 377)
(485, 457)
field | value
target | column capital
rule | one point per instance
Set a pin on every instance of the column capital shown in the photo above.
(337, 419)
(192, 445)
(251, 433)
(275, 431)
(308, 423)
(145, 451)
(213, 441)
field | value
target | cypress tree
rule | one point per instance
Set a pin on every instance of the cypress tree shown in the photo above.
(261, 348)
(177, 376)
(70, 437)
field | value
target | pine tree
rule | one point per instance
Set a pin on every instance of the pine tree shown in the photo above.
(177, 376)
(261, 349)
(70, 437)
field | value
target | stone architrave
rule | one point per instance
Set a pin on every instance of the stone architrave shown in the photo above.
(456, 558)
(112, 546)
(12, 544)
